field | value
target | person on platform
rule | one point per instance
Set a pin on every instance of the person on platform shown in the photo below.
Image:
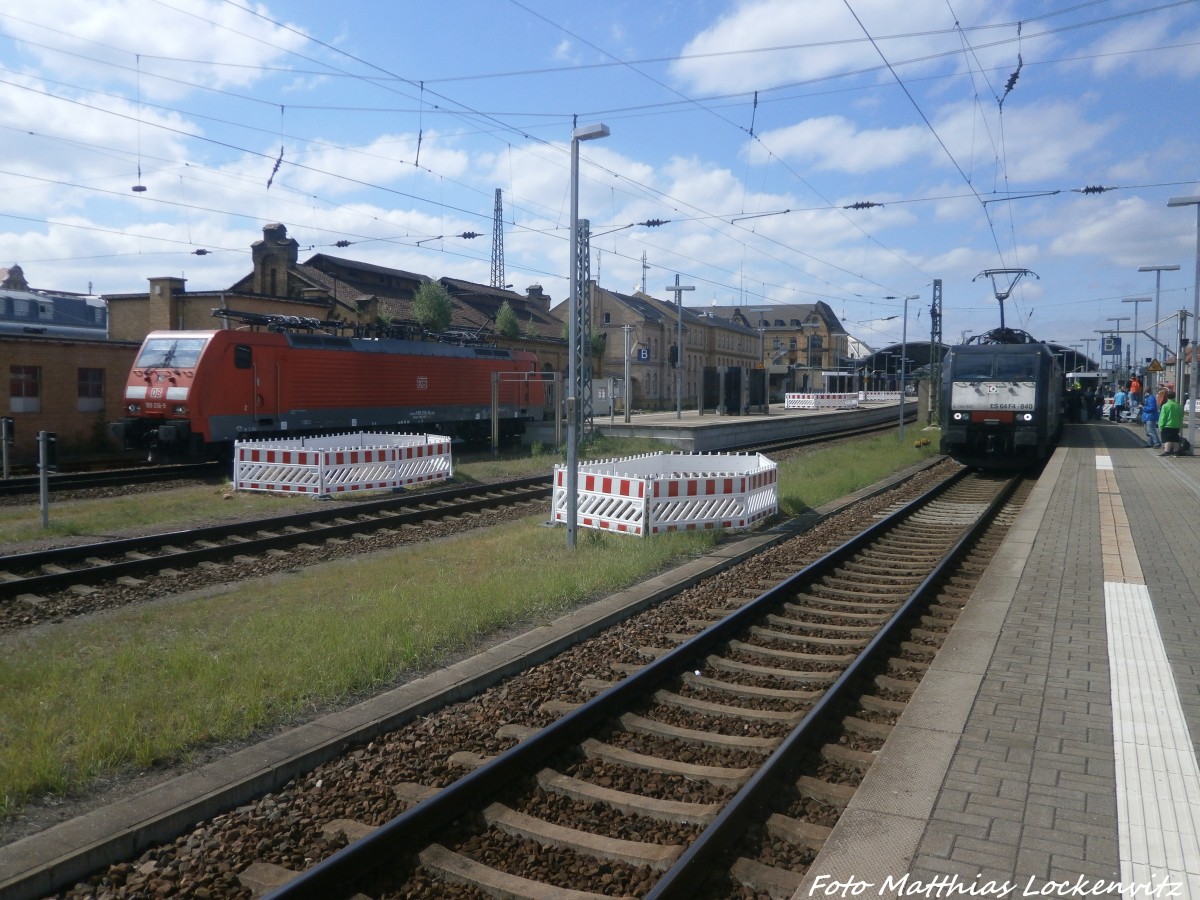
(1135, 394)
(1170, 424)
(1150, 414)
(1118, 405)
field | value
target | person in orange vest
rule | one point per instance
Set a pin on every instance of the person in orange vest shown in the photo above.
(1135, 393)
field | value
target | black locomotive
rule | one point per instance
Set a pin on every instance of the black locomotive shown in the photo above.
(1002, 398)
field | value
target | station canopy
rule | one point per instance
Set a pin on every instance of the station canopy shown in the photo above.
(920, 355)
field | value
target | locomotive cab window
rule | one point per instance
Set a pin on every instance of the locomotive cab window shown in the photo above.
(170, 353)
(242, 358)
(973, 366)
(1016, 367)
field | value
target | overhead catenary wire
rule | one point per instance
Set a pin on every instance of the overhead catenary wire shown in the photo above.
(416, 194)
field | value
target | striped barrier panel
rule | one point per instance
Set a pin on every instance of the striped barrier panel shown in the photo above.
(336, 464)
(883, 396)
(821, 401)
(662, 492)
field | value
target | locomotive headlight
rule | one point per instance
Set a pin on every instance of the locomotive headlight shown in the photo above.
(179, 409)
(1027, 417)
(134, 408)
(958, 417)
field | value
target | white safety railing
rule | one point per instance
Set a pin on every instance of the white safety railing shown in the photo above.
(334, 464)
(882, 396)
(821, 401)
(662, 492)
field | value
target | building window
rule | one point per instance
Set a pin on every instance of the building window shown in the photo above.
(91, 390)
(25, 388)
(608, 318)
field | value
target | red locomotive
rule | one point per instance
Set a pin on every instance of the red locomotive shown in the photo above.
(191, 394)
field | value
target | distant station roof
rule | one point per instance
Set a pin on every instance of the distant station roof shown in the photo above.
(920, 354)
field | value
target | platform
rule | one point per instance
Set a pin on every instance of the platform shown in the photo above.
(692, 432)
(1051, 748)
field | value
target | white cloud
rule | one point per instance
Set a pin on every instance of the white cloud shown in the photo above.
(208, 43)
(834, 143)
(820, 38)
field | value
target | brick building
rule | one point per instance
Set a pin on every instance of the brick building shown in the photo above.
(709, 341)
(64, 374)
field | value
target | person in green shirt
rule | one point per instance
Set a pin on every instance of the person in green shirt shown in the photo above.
(1170, 423)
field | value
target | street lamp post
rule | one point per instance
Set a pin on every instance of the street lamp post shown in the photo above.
(1137, 302)
(583, 133)
(1157, 270)
(678, 288)
(1195, 381)
(1087, 347)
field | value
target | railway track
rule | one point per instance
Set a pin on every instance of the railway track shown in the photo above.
(650, 787)
(26, 486)
(28, 581)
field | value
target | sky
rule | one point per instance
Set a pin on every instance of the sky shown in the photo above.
(845, 151)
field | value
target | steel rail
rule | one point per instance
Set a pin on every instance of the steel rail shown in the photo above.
(397, 838)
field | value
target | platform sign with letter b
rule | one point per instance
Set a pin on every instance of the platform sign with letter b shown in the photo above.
(1110, 345)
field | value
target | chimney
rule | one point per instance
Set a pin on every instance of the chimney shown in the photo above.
(535, 294)
(163, 310)
(273, 256)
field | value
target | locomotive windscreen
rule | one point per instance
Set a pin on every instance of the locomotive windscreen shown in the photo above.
(172, 352)
(995, 366)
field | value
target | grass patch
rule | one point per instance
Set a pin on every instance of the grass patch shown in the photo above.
(817, 477)
(143, 686)
(184, 507)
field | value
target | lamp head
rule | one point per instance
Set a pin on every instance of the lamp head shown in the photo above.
(590, 132)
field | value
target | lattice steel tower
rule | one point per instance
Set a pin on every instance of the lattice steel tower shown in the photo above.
(583, 331)
(935, 353)
(498, 243)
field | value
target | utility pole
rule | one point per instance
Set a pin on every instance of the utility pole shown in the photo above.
(677, 288)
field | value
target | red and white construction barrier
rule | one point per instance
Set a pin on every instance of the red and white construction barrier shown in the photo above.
(661, 492)
(334, 464)
(821, 401)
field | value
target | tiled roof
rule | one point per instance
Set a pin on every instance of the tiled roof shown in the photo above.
(480, 304)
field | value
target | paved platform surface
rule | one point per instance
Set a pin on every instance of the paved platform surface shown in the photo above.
(1052, 748)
